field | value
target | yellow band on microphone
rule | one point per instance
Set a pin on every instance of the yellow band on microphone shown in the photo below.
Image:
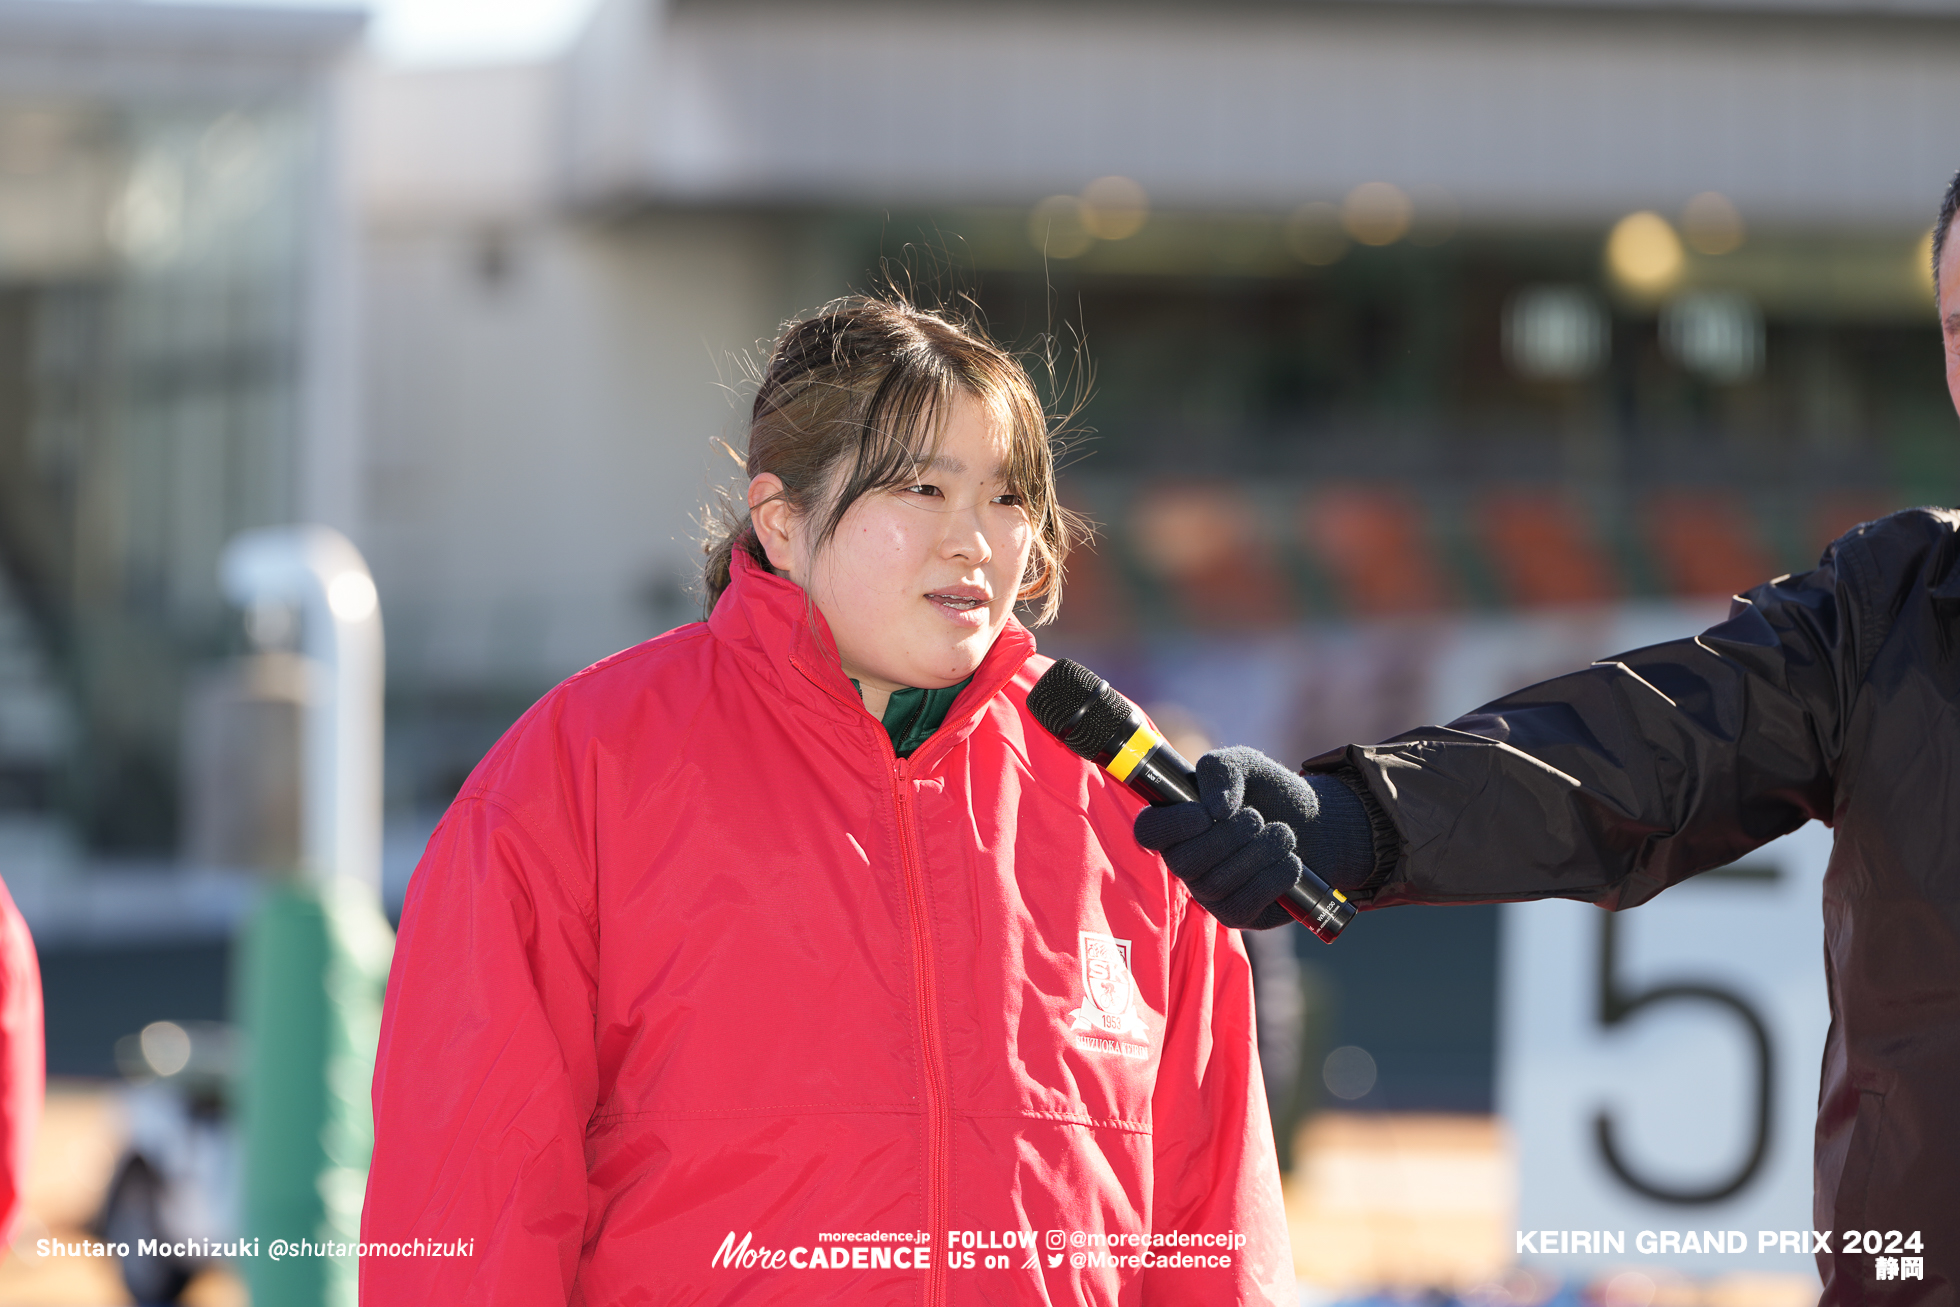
(1133, 752)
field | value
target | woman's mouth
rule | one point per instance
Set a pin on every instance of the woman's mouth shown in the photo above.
(957, 601)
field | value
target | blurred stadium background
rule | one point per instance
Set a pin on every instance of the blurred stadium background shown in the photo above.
(1435, 345)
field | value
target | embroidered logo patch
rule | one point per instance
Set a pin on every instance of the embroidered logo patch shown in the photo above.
(1109, 994)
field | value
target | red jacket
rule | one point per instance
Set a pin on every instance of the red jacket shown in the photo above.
(22, 1058)
(703, 996)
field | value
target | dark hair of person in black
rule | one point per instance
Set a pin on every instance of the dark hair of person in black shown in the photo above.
(1949, 205)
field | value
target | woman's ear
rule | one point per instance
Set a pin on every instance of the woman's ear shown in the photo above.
(775, 522)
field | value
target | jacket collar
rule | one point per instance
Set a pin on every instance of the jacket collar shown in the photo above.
(771, 623)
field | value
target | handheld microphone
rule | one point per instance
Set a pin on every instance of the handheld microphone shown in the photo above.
(1079, 708)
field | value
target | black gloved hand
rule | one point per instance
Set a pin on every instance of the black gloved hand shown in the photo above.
(1235, 861)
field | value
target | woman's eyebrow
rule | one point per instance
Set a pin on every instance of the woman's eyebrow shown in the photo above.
(954, 467)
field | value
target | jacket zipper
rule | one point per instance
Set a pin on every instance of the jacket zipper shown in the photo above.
(938, 1132)
(939, 1144)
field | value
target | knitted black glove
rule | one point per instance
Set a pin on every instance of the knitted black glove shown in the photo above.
(1236, 848)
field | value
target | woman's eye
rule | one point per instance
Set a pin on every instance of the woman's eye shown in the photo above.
(922, 490)
(1010, 499)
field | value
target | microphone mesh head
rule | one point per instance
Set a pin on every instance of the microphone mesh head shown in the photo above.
(1060, 693)
(1069, 697)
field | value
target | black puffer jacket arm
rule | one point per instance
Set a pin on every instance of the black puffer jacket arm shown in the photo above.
(1616, 781)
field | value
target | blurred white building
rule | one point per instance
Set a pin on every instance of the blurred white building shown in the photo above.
(568, 265)
(177, 353)
(177, 362)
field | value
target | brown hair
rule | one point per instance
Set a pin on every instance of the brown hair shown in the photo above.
(858, 386)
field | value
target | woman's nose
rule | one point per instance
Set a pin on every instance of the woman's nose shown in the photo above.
(966, 537)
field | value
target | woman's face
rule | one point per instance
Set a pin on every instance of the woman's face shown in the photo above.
(917, 581)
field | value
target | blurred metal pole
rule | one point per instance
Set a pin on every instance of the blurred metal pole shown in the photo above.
(314, 959)
(317, 571)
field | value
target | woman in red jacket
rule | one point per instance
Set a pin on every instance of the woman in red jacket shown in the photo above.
(784, 959)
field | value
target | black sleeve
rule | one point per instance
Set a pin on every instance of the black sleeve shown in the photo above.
(1614, 782)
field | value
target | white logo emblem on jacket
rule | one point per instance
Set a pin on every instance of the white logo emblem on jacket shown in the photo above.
(1109, 995)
